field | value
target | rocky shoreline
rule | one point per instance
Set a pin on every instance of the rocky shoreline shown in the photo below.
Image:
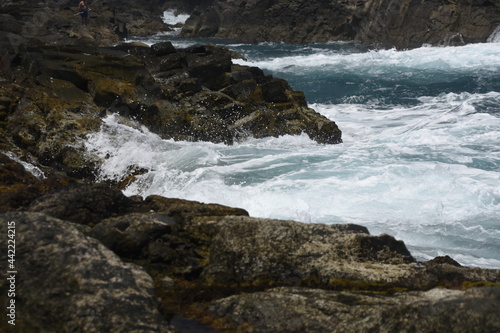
(90, 259)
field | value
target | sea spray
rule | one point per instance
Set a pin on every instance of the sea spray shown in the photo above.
(420, 158)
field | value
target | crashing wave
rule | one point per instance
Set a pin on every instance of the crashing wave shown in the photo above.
(172, 17)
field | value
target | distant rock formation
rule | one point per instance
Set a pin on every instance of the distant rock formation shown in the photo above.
(385, 23)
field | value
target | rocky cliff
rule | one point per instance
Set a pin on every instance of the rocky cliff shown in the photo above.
(386, 23)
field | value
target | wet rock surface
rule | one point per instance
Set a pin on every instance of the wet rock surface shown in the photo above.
(55, 94)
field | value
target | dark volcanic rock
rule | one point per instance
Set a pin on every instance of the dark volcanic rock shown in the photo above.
(403, 24)
(128, 235)
(59, 79)
(312, 310)
(61, 93)
(199, 254)
(83, 204)
(68, 282)
(19, 187)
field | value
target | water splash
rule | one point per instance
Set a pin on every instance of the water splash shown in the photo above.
(173, 17)
(495, 36)
(427, 173)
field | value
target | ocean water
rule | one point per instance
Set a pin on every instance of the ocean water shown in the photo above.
(420, 157)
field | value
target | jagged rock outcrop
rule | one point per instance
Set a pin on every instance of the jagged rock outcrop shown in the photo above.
(91, 259)
(56, 86)
(60, 95)
(387, 23)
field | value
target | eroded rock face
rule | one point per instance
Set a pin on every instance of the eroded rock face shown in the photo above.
(402, 24)
(252, 251)
(68, 282)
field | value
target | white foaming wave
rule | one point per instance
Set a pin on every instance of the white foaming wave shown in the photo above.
(173, 17)
(449, 119)
(363, 181)
(122, 144)
(495, 36)
(471, 56)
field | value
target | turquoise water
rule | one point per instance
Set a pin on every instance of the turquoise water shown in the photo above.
(420, 158)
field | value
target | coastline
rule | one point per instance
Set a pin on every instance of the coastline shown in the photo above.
(89, 258)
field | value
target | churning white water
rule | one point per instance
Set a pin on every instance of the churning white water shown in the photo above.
(420, 158)
(173, 17)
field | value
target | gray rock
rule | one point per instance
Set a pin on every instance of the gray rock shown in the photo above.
(311, 310)
(256, 251)
(68, 282)
(128, 235)
(83, 204)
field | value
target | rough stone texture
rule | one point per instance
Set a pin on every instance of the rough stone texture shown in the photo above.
(67, 282)
(83, 204)
(128, 235)
(312, 310)
(402, 24)
(58, 79)
(54, 93)
(259, 251)
(159, 240)
(196, 255)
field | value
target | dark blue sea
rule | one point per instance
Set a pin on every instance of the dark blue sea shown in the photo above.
(420, 158)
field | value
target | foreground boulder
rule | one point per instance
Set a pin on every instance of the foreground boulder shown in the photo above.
(66, 282)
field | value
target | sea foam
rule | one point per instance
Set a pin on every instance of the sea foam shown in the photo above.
(425, 171)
